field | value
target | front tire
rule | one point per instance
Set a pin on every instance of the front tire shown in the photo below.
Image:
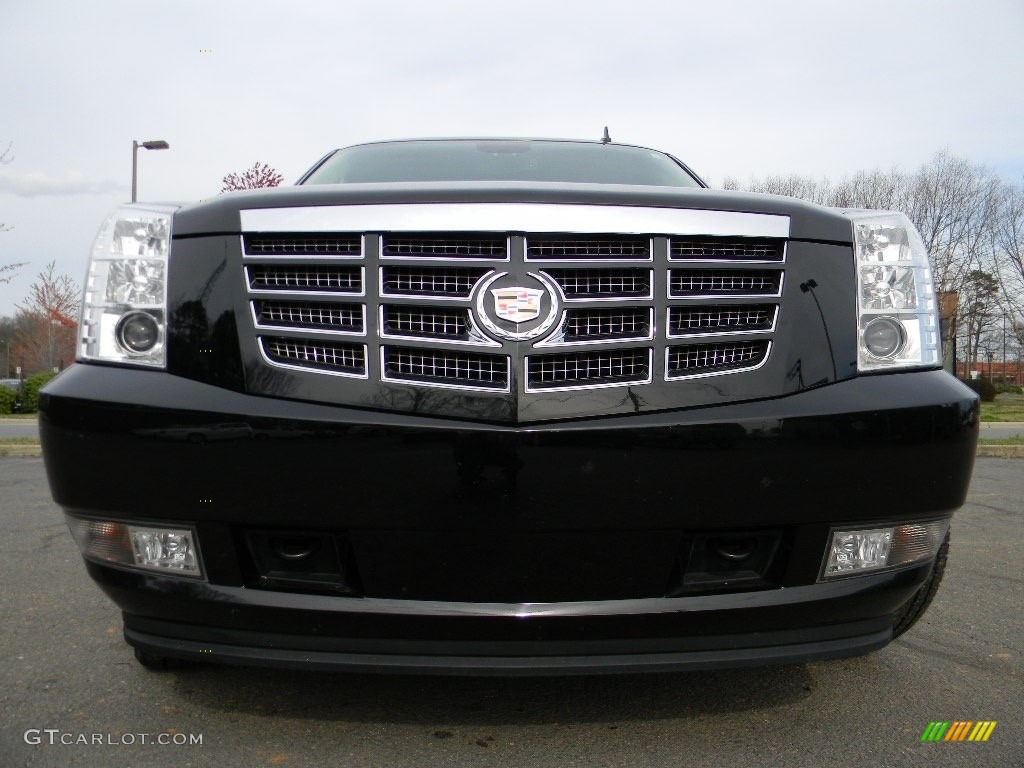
(915, 609)
(156, 663)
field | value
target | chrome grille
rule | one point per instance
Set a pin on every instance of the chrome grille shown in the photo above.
(435, 366)
(427, 322)
(277, 277)
(619, 323)
(725, 250)
(347, 318)
(303, 245)
(602, 283)
(457, 246)
(456, 282)
(619, 366)
(329, 356)
(725, 282)
(411, 308)
(720, 318)
(558, 249)
(698, 359)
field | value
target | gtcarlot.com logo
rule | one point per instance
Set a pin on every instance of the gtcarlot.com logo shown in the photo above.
(55, 737)
(958, 730)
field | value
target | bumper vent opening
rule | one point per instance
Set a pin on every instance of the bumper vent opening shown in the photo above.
(731, 560)
(301, 561)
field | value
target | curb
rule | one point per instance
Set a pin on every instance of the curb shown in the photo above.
(34, 451)
(1002, 451)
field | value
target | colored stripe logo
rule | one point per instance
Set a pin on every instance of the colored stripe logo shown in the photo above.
(959, 730)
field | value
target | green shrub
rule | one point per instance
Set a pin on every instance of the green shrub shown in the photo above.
(33, 384)
(986, 389)
(8, 397)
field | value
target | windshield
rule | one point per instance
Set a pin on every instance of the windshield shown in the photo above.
(513, 160)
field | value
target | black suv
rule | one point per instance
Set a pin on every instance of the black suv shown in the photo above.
(509, 406)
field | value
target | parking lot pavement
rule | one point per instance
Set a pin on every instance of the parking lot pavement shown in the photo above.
(68, 677)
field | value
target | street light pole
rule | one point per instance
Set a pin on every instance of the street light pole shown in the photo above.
(158, 144)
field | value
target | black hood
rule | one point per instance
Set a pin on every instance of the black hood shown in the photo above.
(221, 215)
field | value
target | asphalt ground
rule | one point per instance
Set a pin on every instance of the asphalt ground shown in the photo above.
(67, 676)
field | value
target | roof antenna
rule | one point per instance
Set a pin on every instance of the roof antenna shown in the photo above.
(606, 139)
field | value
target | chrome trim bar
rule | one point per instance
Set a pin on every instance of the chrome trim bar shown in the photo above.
(514, 217)
(630, 606)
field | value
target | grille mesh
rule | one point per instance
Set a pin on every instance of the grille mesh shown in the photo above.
(274, 277)
(456, 282)
(456, 246)
(334, 317)
(694, 359)
(603, 248)
(602, 283)
(735, 282)
(304, 245)
(348, 358)
(709, 319)
(723, 250)
(442, 366)
(428, 322)
(619, 323)
(618, 366)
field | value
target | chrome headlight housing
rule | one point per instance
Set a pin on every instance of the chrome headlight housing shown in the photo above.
(898, 320)
(124, 310)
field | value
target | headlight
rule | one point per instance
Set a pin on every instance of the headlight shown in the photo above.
(898, 318)
(124, 311)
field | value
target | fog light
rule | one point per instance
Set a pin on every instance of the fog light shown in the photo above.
(852, 552)
(165, 549)
(151, 548)
(858, 551)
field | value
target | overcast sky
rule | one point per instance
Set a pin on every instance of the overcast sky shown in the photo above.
(733, 88)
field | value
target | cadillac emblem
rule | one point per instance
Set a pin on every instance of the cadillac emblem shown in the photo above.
(517, 307)
(515, 304)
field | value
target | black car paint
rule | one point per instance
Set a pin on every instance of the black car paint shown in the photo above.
(507, 532)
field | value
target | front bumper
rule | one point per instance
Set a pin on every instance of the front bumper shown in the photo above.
(475, 548)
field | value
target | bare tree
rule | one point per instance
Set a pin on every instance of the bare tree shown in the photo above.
(954, 204)
(958, 207)
(1009, 244)
(5, 158)
(47, 323)
(7, 271)
(979, 309)
(257, 177)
